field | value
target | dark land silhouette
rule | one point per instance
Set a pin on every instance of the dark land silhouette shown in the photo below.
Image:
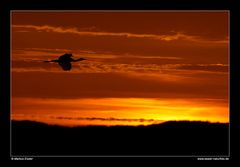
(181, 138)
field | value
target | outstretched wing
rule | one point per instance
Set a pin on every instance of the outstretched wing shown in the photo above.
(66, 66)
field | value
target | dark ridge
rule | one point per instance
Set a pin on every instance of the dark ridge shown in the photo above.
(172, 138)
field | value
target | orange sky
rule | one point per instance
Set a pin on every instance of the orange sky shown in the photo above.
(141, 67)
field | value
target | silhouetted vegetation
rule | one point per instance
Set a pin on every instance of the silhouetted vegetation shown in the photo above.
(169, 138)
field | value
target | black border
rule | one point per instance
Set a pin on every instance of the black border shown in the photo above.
(7, 5)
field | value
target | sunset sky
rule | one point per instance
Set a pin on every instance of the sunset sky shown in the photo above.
(142, 67)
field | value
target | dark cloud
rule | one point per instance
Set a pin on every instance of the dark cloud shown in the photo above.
(106, 119)
(100, 85)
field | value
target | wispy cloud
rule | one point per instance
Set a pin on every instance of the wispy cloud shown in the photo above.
(96, 66)
(53, 50)
(205, 67)
(176, 36)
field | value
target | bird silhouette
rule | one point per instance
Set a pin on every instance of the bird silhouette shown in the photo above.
(65, 61)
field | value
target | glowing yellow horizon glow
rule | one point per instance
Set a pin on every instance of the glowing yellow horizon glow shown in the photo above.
(118, 111)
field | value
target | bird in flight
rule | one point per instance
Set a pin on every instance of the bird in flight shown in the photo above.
(65, 61)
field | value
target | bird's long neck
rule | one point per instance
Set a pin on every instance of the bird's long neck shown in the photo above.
(80, 59)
